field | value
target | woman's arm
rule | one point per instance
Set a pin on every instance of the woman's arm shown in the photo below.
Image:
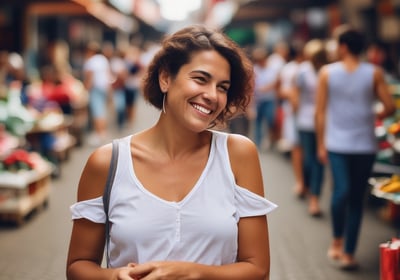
(88, 238)
(253, 231)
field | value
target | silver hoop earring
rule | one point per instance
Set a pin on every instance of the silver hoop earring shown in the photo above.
(163, 104)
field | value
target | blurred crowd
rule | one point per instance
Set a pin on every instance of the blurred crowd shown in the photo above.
(111, 74)
(103, 91)
(319, 101)
(108, 81)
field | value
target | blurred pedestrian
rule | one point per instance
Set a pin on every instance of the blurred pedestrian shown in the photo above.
(203, 213)
(97, 80)
(306, 90)
(265, 100)
(345, 121)
(276, 61)
(289, 139)
(132, 82)
(119, 73)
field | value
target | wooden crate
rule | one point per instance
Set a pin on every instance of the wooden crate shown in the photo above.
(23, 192)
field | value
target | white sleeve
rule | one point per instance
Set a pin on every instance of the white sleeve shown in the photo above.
(249, 204)
(91, 209)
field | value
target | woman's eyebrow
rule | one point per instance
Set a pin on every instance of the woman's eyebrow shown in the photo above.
(201, 72)
(208, 75)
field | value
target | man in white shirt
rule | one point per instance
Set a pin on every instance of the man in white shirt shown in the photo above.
(97, 80)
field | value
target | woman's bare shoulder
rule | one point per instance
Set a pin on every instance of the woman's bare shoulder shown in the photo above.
(241, 147)
(245, 163)
(95, 172)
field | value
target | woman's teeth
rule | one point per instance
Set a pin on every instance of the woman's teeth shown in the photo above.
(201, 109)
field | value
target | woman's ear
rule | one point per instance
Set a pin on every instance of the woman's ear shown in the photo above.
(163, 79)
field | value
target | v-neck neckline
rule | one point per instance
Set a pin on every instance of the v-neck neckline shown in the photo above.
(192, 190)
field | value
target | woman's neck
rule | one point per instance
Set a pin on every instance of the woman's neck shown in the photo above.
(175, 142)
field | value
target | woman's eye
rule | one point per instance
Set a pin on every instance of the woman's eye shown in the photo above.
(200, 79)
(223, 88)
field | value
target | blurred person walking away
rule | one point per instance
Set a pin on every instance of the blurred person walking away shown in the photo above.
(289, 139)
(132, 82)
(264, 97)
(345, 121)
(70, 91)
(278, 58)
(276, 61)
(306, 89)
(119, 73)
(97, 81)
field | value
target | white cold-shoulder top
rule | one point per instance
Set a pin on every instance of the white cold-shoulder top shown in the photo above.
(200, 228)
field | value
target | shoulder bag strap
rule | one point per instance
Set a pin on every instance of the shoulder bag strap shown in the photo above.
(107, 193)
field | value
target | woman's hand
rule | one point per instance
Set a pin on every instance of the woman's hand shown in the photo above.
(159, 270)
(125, 273)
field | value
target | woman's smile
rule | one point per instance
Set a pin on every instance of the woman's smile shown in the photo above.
(202, 109)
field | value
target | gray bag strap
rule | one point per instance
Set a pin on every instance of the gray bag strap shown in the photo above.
(107, 193)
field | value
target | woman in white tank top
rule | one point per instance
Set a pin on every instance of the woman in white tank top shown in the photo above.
(183, 205)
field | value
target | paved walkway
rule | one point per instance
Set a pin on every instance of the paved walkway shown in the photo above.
(37, 250)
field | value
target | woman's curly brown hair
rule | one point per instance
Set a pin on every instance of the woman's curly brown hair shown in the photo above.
(177, 50)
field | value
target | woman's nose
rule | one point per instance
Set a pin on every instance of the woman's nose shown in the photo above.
(211, 93)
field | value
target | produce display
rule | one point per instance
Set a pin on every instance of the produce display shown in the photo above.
(391, 185)
(387, 188)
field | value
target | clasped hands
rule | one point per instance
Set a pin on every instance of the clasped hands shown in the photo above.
(155, 271)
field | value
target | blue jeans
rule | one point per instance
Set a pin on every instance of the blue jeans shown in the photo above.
(120, 106)
(266, 110)
(313, 170)
(98, 103)
(350, 173)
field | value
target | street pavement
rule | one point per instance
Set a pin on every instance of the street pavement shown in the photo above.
(37, 250)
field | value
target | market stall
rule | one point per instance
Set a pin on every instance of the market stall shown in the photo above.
(385, 182)
(24, 186)
(25, 175)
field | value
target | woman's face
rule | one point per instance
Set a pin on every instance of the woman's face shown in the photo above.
(198, 93)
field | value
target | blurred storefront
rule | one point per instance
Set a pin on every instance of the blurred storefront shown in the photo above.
(32, 28)
(29, 26)
(288, 20)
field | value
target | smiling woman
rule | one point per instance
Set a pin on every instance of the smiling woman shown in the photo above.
(179, 48)
(202, 214)
(204, 84)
